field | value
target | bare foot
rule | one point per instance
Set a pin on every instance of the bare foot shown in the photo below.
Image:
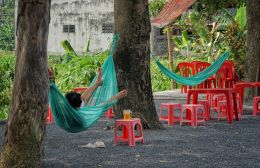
(99, 78)
(121, 94)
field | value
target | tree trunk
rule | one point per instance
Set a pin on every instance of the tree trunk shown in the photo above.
(170, 51)
(25, 129)
(253, 40)
(132, 60)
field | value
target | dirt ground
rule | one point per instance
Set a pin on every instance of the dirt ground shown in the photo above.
(218, 145)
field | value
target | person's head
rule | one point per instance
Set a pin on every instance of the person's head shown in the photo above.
(74, 99)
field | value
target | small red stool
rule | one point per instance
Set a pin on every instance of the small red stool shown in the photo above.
(206, 105)
(170, 118)
(128, 131)
(222, 107)
(49, 118)
(256, 108)
(192, 114)
(109, 113)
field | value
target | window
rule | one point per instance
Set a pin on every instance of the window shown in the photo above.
(107, 28)
(69, 28)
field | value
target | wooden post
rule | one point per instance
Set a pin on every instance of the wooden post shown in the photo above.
(170, 51)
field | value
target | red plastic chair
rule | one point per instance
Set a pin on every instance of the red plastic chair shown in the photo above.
(211, 81)
(186, 69)
(49, 117)
(194, 63)
(225, 77)
(235, 76)
(256, 108)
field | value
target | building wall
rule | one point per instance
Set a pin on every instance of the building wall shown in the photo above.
(88, 17)
(158, 42)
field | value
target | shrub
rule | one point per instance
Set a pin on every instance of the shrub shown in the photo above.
(7, 64)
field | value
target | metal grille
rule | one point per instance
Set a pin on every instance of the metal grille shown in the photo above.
(107, 28)
(69, 28)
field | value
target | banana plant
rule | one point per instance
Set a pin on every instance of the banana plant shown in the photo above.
(183, 43)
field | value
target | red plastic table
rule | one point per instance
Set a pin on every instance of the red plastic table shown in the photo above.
(228, 92)
(239, 87)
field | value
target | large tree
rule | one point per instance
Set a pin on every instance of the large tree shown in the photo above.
(132, 60)
(253, 40)
(25, 128)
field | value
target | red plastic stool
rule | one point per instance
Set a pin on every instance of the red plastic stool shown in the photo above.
(49, 118)
(128, 131)
(256, 108)
(222, 107)
(206, 105)
(192, 114)
(170, 118)
(109, 113)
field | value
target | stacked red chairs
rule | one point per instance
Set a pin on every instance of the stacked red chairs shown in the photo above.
(186, 69)
(226, 76)
(221, 106)
(211, 81)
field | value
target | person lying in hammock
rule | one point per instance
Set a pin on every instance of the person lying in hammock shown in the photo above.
(77, 100)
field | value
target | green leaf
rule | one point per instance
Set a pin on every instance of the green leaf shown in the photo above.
(185, 38)
(67, 47)
(241, 17)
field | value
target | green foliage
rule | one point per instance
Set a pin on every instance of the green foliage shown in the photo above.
(79, 71)
(68, 48)
(159, 81)
(156, 6)
(7, 37)
(241, 18)
(207, 8)
(7, 64)
(7, 42)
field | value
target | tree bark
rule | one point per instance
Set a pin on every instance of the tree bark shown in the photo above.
(25, 128)
(170, 51)
(253, 40)
(132, 60)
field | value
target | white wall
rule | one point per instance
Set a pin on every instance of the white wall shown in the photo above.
(87, 16)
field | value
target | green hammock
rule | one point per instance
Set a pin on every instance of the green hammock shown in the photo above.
(197, 78)
(77, 120)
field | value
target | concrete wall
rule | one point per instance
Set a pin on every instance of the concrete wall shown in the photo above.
(158, 42)
(88, 17)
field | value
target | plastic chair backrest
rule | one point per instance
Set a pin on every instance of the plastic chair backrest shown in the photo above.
(200, 66)
(194, 63)
(186, 69)
(226, 71)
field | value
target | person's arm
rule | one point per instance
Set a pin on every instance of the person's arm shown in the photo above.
(120, 95)
(88, 93)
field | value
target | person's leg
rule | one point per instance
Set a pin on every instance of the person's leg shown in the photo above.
(88, 93)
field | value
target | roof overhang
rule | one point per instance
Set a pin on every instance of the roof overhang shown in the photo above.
(170, 12)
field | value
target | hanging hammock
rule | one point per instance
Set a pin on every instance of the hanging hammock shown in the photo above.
(77, 120)
(197, 78)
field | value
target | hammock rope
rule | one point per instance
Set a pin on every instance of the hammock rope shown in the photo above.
(197, 78)
(76, 120)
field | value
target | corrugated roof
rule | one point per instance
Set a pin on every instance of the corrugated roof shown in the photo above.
(172, 10)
